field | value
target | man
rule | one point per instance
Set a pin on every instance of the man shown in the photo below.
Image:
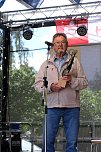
(63, 99)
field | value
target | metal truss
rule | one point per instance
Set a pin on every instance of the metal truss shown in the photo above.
(41, 17)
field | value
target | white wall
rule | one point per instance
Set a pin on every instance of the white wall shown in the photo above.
(91, 60)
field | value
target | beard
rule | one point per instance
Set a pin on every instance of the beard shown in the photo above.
(60, 53)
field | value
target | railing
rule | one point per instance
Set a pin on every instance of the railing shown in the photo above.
(88, 131)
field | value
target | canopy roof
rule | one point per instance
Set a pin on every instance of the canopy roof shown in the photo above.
(49, 10)
(23, 4)
(48, 3)
(62, 16)
(31, 3)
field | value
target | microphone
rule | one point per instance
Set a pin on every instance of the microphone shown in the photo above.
(48, 43)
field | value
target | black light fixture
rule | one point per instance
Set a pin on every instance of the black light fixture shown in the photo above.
(27, 34)
(82, 30)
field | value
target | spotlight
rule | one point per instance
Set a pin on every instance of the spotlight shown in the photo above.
(82, 30)
(27, 34)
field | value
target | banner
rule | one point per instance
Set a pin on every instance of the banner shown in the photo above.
(1, 3)
(69, 27)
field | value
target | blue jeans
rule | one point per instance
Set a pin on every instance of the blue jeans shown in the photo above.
(70, 118)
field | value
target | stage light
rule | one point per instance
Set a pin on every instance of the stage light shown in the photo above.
(82, 30)
(27, 34)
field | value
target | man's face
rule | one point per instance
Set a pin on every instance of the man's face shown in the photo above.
(60, 45)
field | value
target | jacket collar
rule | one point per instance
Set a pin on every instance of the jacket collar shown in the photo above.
(51, 59)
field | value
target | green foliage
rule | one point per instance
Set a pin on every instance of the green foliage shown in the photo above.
(91, 100)
(90, 105)
(24, 101)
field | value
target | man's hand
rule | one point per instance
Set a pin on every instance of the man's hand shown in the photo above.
(64, 81)
(55, 87)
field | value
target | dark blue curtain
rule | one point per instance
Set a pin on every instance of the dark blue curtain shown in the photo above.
(33, 3)
(1, 3)
(75, 1)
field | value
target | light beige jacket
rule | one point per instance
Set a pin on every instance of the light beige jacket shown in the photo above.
(67, 97)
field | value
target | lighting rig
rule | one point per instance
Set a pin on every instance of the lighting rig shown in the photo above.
(27, 32)
(82, 30)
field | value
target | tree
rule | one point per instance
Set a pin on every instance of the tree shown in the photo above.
(91, 100)
(90, 105)
(96, 83)
(24, 101)
(17, 46)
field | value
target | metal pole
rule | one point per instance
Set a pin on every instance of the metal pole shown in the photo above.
(45, 99)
